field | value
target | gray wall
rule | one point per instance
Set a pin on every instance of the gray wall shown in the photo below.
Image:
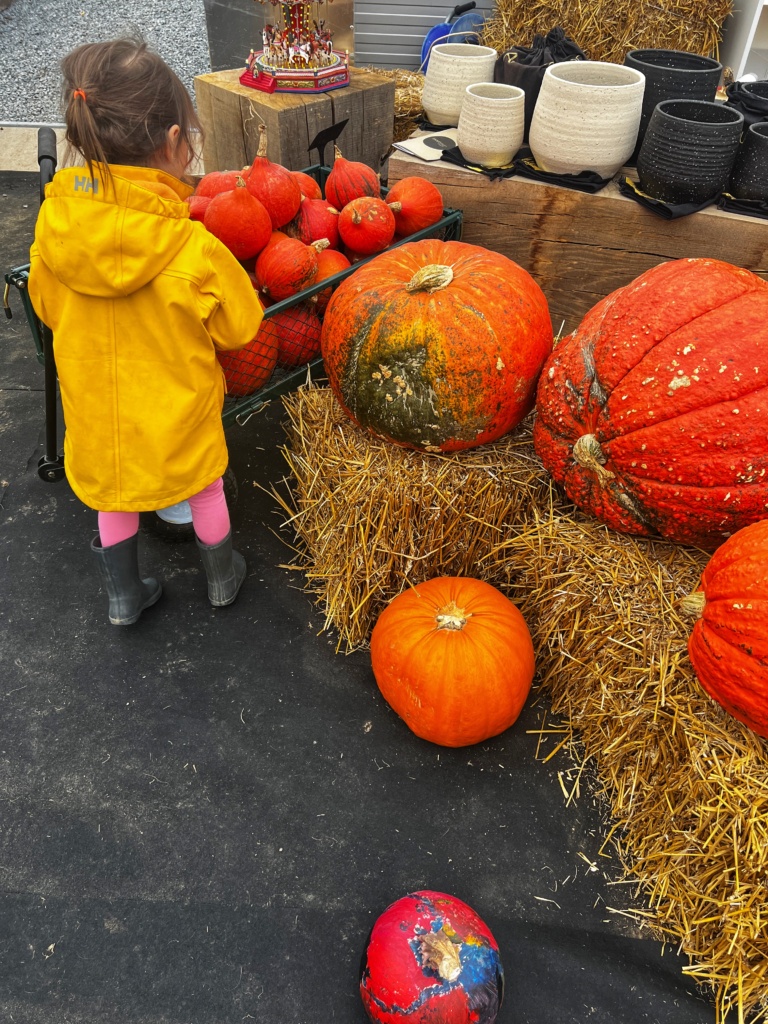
(390, 34)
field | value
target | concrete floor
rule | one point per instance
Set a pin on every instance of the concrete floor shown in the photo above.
(201, 816)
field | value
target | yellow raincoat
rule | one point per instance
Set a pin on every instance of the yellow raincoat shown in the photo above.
(138, 297)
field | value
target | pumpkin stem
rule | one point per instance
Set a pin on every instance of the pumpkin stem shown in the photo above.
(336, 152)
(452, 617)
(395, 207)
(693, 604)
(240, 183)
(262, 150)
(440, 954)
(356, 218)
(588, 453)
(319, 244)
(431, 278)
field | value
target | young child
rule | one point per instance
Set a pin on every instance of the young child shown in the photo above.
(139, 297)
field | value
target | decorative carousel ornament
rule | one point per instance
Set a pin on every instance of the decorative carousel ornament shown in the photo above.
(297, 53)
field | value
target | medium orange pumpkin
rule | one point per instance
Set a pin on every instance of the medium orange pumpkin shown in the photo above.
(287, 266)
(437, 345)
(350, 179)
(309, 187)
(728, 646)
(454, 658)
(273, 185)
(238, 220)
(417, 204)
(248, 369)
(367, 225)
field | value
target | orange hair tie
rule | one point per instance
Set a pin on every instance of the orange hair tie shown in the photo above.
(80, 93)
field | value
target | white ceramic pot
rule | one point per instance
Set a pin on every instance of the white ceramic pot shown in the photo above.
(452, 67)
(491, 123)
(587, 117)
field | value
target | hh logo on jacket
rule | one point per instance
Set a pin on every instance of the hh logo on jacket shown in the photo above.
(85, 184)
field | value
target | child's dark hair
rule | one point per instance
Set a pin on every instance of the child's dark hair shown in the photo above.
(120, 100)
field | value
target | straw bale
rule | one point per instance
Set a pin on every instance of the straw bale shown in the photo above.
(606, 30)
(409, 86)
(686, 785)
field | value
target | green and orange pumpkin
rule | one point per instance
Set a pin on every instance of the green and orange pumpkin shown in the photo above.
(652, 414)
(454, 658)
(437, 345)
(728, 646)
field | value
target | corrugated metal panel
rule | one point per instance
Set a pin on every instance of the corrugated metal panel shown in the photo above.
(391, 34)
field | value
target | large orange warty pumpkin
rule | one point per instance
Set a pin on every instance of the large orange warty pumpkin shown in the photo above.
(728, 646)
(437, 345)
(454, 658)
(652, 414)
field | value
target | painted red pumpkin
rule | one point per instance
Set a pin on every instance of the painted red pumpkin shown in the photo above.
(248, 369)
(286, 267)
(416, 204)
(310, 187)
(297, 331)
(350, 179)
(238, 220)
(454, 658)
(437, 345)
(329, 262)
(316, 219)
(367, 225)
(431, 959)
(273, 185)
(215, 182)
(728, 646)
(652, 414)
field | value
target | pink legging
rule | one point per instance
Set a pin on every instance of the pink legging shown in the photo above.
(210, 518)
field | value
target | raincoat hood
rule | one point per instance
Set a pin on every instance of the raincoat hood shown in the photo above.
(108, 238)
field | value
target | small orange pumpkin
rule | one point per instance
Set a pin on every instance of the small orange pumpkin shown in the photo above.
(728, 646)
(454, 658)
(417, 204)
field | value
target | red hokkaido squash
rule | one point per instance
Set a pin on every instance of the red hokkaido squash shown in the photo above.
(273, 185)
(350, 179)
(329, 262)
(197, 206)
(437, 345)
(310, 188)
(285, 267)
(248, 369)
(239, 221)
(419, 204)
(214, 182)
(652, 414)
(297, 331)
(316, 219)
(454, 658)
(367, 225)
(431, 959)
(728, 646)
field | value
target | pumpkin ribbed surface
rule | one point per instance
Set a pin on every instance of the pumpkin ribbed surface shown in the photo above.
(454, 658)
(652, 414)
(728, 646)
(438, 359)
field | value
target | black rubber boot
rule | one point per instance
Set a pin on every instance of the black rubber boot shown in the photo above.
(128, 593)
(225, 570)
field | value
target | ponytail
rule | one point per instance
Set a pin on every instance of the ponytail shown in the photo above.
(120, 100)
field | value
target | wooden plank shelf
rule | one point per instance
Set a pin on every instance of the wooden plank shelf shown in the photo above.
(580, 247)
(231, 113)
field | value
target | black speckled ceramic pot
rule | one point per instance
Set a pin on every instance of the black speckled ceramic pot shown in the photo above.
(672, 75)
(749, 179)
(689, 150)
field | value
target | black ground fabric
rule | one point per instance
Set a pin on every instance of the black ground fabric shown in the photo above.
(202, 815)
